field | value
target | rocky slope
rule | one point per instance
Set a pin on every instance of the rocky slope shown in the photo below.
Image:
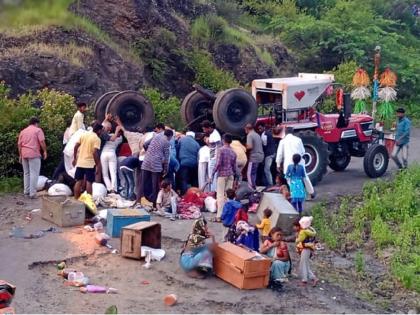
(73, 61)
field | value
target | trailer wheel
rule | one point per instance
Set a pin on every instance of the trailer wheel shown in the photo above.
(133, 109)
(339, 163)
(316, 156)
(101, 104)
(233, 109)
(196, 108)
(375, 162)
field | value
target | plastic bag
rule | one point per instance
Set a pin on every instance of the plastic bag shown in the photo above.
(42, 180)
(88, 201)
(210, 204)
(98, 191)
(59, 190)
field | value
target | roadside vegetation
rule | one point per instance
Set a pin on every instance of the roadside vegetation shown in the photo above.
(387, 214)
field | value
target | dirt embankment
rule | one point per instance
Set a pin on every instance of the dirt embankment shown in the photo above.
(77, 63)
(67, 60)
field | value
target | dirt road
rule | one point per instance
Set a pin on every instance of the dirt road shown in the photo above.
(29, 264)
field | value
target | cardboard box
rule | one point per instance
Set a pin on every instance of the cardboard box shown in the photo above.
(139, 234)
(63, 211)
(243, 268)
(119, 218)
(283, 212)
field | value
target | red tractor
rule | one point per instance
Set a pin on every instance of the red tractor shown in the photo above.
(329, 139)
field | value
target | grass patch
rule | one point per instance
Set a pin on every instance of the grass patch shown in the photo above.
(10, 184)
(33, 16)
(75, 55)
(389, 214)
(211, 29)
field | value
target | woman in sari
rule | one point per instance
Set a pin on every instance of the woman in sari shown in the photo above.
(196, 257)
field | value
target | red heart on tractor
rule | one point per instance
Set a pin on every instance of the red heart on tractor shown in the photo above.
(299, 95)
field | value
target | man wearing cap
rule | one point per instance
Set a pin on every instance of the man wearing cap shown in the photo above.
(187, 151)
(402, 139)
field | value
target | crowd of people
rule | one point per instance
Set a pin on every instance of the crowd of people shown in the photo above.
(160, 165)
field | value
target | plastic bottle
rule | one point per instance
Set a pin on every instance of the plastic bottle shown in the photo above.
(76, 276)
(98, 289)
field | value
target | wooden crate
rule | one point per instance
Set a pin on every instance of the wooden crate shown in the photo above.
(243, 268)
(139, 234)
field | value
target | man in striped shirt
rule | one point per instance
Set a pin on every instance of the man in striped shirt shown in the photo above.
(155, 165)
(226, 172)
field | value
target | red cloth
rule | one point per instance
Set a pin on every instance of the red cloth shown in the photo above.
(241, 215)
(124, 150)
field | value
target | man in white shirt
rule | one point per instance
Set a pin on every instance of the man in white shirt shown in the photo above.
(289, 146)
(78, 119)
(215, 142)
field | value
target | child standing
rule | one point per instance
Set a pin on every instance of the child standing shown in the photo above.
(305, 245)
(296, 174)
(166, 202)
(230, 210)
(265, 225)
(276, 248)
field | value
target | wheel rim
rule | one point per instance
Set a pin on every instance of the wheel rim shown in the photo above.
(311, 158)
(236, 112)
(378, 161)
(130, 115)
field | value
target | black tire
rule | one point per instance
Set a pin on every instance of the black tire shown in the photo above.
(339, 163)
(233, 109)
(375, 162)
(101, 104)
(193, 106)
(316, 156)
(133, 109)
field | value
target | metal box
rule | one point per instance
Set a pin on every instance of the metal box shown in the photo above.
(63, 211)
(119, 218)
(283, 212)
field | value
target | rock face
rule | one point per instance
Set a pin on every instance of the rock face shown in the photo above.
(75, 62)
(100, 70)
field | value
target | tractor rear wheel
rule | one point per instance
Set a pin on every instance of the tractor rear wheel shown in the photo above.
(196, 108)
(101, 104)
(133, 109)
(375, 162)
(316, 156)
(339, 162)
(233, 109)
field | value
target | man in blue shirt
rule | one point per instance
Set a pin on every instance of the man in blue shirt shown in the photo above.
(188, 159)
(402, 139)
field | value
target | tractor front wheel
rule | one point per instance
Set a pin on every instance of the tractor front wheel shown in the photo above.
(316, 155)
(375, 162)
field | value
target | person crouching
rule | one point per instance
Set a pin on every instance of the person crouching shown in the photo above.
(166, 202)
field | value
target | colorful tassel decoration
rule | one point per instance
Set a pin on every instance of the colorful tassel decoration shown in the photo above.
(388, 78)
(386, 111)
(361, 78)
(360, 81)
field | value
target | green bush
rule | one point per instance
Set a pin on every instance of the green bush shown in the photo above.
(10, 184)
(167, 110)
(56, 110)
(208, 75)
(381, 232)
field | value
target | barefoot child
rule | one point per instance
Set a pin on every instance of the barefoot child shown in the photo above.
(265, 225)
(166, 202)
(276, 248)
(305, 245)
